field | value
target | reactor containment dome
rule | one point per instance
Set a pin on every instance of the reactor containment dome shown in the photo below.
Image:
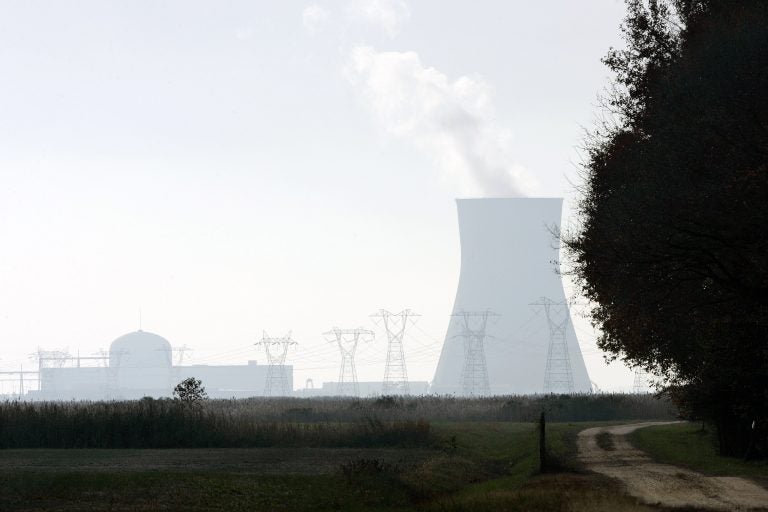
(141, 361)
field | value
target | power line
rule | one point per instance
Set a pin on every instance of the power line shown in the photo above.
(558, 375)
(395, 372)
(346, 340)
(474, 374)
(276, 350)
(640, 381)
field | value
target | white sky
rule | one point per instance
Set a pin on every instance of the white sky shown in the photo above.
(233, 167)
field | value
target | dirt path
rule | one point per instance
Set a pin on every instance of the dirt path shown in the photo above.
(663, 484)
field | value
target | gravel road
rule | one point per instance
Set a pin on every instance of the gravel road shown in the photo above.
(664, 484)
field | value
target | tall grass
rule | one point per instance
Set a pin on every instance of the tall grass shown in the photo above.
(523, 408)
(169, 424)
(322, 422)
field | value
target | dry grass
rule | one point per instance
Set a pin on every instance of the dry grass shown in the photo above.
(552, 493)
(170, 424)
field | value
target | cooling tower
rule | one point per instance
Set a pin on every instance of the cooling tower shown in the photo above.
(507, 255)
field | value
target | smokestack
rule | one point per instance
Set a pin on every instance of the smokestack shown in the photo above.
(507, 250)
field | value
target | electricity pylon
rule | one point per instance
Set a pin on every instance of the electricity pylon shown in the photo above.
(347, 340)
(181, 352)
(395, 372)
(276, 350)
(640, 382)
(558, 375)
(113, 371)
(474, 374)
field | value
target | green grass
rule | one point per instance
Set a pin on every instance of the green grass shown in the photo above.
(512, 450)
(472, 466)
(509, 451)
(686, 444)
(194, 491)
(565, 492)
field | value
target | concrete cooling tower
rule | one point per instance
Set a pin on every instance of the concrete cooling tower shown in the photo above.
(510, 331)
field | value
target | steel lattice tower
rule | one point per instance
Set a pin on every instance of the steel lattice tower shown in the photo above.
(276, 350)
(113, 388)
(474, 373)
(395, 372)
(558, 375)
(347, 340)
(640, 382)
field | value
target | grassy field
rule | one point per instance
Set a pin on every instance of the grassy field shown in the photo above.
(471, 466)
(385, 421)
(387, 453)
(690, 445)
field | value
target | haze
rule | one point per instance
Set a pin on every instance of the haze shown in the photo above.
(235, 168)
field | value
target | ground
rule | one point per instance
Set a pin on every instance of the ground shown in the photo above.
(694, 445)
(472, 466)
(606, 450)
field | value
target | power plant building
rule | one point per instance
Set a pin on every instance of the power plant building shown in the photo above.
(500, 339)
(510, 330)
(141, 364)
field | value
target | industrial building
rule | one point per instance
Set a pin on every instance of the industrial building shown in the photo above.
(140, 364)
(364, 389)
(510, 331)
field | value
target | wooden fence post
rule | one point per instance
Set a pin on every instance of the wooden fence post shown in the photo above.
(542, 443)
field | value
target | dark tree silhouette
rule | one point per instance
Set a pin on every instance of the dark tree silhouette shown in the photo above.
(673, 241)
(190, 390)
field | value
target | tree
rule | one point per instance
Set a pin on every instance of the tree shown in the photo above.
(190, 390)
(673, 242)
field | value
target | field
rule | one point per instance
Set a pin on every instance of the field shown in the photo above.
(693, 446)
(480, 464)
(464, 458)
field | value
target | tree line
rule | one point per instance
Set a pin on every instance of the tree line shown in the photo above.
(672, 241)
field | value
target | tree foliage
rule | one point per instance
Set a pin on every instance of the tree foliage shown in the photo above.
(190, 390)
(673, 245)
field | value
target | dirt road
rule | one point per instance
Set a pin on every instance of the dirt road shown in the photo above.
(663, 484)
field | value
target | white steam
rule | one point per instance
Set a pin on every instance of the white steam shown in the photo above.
(314, 17)
(388, 15)
(450, 121)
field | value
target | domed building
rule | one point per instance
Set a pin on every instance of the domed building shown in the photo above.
(140, 364)
(140, 349)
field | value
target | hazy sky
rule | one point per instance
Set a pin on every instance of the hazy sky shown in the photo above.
(233, 167)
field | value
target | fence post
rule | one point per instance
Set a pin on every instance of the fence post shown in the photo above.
(751, 444)
(542, 443)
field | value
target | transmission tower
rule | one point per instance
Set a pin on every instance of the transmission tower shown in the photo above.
(558, 376)
(347, 340)
(113, 360)
(180, 353)
(640, 382)
(474, 374)
(395, 373)
(49, 359)
(276, 350)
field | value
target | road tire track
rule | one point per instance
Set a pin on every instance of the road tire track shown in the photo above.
(664, 484)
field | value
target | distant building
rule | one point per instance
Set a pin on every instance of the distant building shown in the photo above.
(141, 364)
(365, 389)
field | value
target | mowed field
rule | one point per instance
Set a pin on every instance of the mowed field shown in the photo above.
(471, 466)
